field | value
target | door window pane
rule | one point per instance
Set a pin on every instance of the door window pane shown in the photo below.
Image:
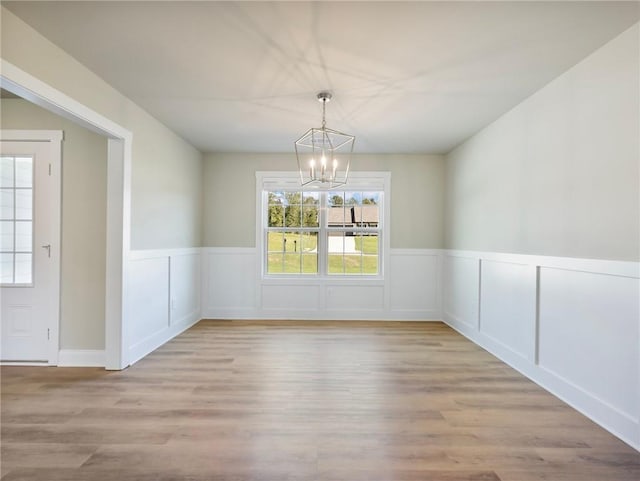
(24, 236)
(24, 172)
(6, 172)
(6, 268)
(6, 236)
(24, 204)
(6, 204)
(23, 269)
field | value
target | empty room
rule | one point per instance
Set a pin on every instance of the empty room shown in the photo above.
(320, 241)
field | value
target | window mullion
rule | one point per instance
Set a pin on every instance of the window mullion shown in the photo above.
(322, 235)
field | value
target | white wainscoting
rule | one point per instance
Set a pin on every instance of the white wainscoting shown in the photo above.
(232, 288)
(570, 325)
(164, 297)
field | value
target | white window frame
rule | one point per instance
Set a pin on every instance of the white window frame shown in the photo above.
(290, 181)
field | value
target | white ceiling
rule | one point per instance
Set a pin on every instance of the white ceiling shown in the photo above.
(406, 76)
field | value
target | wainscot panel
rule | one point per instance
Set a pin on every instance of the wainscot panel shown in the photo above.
(354, 298)
(229, 288)
(589, 335)
(149, 297)
(508, 305)
(164, 297)
(461, 290)
(185, 288)
(415, 282)
(288, 297)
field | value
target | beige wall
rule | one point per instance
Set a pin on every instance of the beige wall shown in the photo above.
(559, 174)
(416, 196)
(166, 192)
(84, 204)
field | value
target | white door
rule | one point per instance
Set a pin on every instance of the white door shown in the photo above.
(29, 245)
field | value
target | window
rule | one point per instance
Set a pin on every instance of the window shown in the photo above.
(353, 224)
(292, 232)
(321, 233)
(16, 220)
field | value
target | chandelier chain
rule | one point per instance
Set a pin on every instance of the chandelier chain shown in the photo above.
(324, 105)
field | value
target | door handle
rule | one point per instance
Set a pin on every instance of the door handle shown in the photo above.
(48, 247)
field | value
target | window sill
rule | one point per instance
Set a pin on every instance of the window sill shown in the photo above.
(313, 280)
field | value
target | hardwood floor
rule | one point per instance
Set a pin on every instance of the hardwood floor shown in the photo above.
(321, 401)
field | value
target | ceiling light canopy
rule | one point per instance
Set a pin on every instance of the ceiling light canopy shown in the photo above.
(323, 154)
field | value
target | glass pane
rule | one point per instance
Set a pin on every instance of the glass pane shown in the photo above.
(6, 268)
(370, 198)
(335, 243)
(293, 210)
(352, 198)
(311, 198)
(336, 199)
(352, 264)
(309, 242)
(23, 269)
(310, 216)
(24, 204)
(356, 215)
(335, 249)
(309, 263)
(24, 172)
(339, 217)
(275, 209)
(275, 216)
(275, 242)
(368, 215)
(24, 236)
(367, 244)
(275, 263)
(6, 172)
(6, 204)
(292, 263)
(335, 264)
(275, 198)
(370, 264)
(6, 236)
(310, 204)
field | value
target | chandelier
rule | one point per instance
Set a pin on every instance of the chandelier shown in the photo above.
(323, 154)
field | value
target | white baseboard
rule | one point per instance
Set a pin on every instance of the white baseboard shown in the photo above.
(154, 341)
(81, 358)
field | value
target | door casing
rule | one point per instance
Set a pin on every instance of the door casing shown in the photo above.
(120, 140)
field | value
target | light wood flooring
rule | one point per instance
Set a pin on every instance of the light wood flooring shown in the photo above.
(312, 401)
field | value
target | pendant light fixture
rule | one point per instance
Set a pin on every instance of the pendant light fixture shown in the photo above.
(323, 154)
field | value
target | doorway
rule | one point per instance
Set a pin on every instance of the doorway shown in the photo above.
(119, 143)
